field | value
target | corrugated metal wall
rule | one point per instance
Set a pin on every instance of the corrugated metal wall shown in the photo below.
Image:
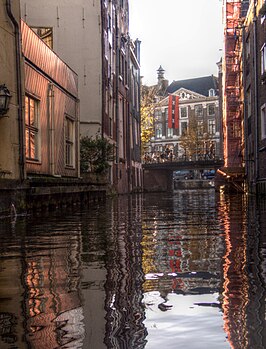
(54, 85)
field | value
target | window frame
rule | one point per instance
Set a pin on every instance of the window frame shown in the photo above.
(186, 112)
(32, 154)
(208, 109)
(197, 108)
(69, 141)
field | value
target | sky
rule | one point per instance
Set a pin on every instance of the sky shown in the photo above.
(185, 37)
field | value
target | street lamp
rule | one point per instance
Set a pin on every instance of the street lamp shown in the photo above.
(4, 99)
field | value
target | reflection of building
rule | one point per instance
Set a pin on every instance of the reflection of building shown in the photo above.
(235, 296)
(256, 261)
(178, 252)
(124, 310)
(42, 301)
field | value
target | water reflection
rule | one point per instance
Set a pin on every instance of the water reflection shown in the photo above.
(137, 272)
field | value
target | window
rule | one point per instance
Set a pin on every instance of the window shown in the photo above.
(211, 92)
(69, 141)
(183, 112)
(183, 128)
(200, 128)
(158, 131)
(169, 131)
(32, 133)
(263, 121)
(211, 127)
(46, 34)
(158, 115)
(263, 59)
(199, 110)
(211, 109)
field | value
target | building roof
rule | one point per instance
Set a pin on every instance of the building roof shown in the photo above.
(201, 85)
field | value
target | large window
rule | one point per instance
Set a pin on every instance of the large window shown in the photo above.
(32, 134)
(69, 141)
(199, 110)
(183, 112)
(211, 109)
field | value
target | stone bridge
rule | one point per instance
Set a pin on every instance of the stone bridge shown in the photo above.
(158, 176)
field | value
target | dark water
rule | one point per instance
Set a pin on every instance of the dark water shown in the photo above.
(185, 271)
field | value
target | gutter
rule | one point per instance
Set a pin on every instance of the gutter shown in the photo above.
(19, 91)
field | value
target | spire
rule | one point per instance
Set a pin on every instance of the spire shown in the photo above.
(160, 73)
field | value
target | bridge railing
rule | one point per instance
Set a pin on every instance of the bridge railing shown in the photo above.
(152, 158)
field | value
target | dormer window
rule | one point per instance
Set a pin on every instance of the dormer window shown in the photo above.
(211, 92)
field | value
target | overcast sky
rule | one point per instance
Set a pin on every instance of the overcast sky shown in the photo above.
(184, 36)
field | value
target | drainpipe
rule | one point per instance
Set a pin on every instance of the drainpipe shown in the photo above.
(245, 116)
(19, 91)
(255, 54)
(117, 99)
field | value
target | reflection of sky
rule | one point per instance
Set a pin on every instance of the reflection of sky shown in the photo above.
(185, 324)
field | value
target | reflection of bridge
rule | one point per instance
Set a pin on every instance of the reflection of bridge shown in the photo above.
(159, 175)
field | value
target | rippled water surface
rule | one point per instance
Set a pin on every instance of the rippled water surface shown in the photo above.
(149, 271)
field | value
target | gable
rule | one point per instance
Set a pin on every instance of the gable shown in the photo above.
(184, 95)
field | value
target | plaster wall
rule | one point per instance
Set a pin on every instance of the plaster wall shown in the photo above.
(77, 39)
(9, 138)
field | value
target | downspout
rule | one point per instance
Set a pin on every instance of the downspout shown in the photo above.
(255, 94)
(19, 91)
(117, 100)
(245, 116)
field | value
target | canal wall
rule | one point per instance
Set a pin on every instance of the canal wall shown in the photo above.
(41, 194)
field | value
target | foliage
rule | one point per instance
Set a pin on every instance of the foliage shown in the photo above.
(148, 104)
(95, 154)
(196, 141)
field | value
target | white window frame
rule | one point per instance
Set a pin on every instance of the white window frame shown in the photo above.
(211, 126)
(180, 112)
(158, 131)
(198, 110)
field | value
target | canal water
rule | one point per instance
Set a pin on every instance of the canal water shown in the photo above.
(186, 270)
